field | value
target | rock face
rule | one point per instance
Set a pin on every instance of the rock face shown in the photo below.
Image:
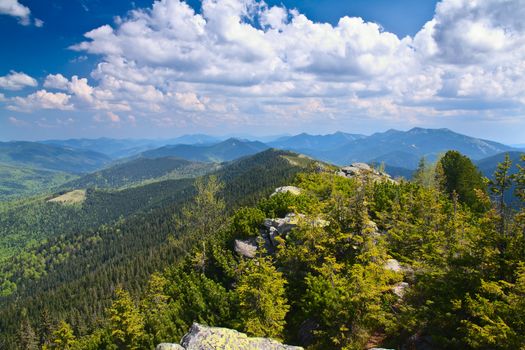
(362, 171)
(213, 338)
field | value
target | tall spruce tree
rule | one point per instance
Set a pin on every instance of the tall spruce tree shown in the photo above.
(126, 322)
(262, 301)
(462, 177)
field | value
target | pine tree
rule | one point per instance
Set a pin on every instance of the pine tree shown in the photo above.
(154, 307)
(462, 177)
(62, 338)
(502, 182)
(126, 322)
(262, 302)
(27, 337)
(519, 179)
(46, 327)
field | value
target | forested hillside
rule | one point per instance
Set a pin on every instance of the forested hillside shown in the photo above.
(344, 260)
(79, 270)
(226, 150)
(20, 181)
(140, 171)
(51, 157)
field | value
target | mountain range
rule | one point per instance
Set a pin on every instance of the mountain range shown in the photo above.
(110, 162)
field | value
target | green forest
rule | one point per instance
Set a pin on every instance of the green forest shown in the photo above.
(437, 262)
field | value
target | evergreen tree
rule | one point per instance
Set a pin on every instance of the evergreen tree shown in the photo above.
(203, 216)
(519, 179)
(62, 338)
(462, 177)
(502, 181)
(46, 328)
(154, 307)
(26, 335)
(126, 322)
(262, 302)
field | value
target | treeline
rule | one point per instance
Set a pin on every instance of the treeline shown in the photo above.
(433, 263)
(83, 269)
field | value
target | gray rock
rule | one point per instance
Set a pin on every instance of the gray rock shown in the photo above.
(393, 265)
(213, 338)
(247, 249)
(169, 346)
(287, 189)
(363, 171)
(400, 289)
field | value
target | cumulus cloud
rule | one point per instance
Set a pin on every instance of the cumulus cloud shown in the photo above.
(17, 122)
(250, 62)
(16, 9)
(41, 99)
(17, 81)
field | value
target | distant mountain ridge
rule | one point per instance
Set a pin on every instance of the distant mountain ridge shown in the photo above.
(405, 148)
(51, 157)
(226, 150)
(306, 141)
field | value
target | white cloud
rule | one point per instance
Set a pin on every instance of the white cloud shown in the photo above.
(56, 81)
(17, 81)
(16, 9)
(41, 99)
(245, 61)
(114, 118)
(17, 122)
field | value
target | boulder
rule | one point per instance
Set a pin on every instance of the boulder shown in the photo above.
(400, 289)
(283, 225)
(287, 189)
(169, 346)
(362, 171)
(247, 249)
(393, 265)
(213, 338)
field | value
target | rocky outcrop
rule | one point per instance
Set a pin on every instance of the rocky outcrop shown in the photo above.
(363, 171)
(393, 265)
(246, 248)
(287, 189)
(169, 346)
(213, 338)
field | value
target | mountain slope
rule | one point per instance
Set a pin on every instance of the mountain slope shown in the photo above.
(51, 157)
(227, 150)
(308, 142)
(415, 143)
(18, 181)
(89, 263)
(141, 170)
(488, 165)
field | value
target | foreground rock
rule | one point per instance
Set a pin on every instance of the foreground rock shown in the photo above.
(213, 338)
(287, 189)
(363, 171)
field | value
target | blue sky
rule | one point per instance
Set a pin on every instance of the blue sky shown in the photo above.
(90, 68)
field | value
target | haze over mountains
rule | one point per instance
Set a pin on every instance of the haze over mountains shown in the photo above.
(55, 162)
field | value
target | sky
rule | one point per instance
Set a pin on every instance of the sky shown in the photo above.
(93, 68)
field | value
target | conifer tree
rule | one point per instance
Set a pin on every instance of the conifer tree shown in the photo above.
(26, 335)
(62, 338)
(154, 307)
(262, 301)
(502, 181)
(46, 327)
(462, 176)
(519, 179)
(126, 322)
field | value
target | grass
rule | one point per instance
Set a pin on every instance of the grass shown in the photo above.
(72, 197)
